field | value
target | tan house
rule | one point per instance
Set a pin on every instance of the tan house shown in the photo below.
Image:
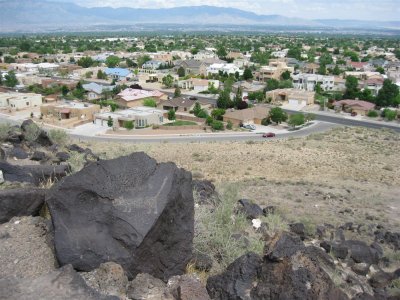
(183, 104)
(273, 71)
(253, 115)
(14, 101)
(135, 97)
(291, 96)
(71, 113)
(354, 106)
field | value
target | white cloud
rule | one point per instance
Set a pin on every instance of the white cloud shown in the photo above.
(310, 9)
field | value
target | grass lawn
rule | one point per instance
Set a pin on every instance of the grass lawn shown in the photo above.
(181, 123)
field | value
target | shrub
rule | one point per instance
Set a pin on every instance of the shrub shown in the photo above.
(229, 125)
(76, 161)
(296, 120)
(217, 125)
(389, 114)
(209, 120)
(202, 114)
(266, 121)
(128, 125)
(372, 114)
(150, 102)
(32, 132)
(215, 227)
(171, 115)
(58, 136)
(4, 129)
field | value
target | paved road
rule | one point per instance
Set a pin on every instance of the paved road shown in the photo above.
(350, 122)
(220, 137)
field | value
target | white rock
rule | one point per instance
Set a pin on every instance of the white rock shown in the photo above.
(1, 177)
(256, 223)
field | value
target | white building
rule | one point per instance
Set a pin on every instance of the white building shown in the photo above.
(198, 85)
(224, 68)
(20, 100)
(205, 54)
(308, 82)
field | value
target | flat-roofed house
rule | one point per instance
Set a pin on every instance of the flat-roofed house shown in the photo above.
(13, 100)
(291, 96)
(253, 115)
(135, 97)
(358, 106)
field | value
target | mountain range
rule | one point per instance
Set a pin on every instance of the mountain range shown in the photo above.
(31, 15)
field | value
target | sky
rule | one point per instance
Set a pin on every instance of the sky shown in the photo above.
(382, 10)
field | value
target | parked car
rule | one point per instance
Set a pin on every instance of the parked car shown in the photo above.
(249, 126)
(268, 135)
(192, 98)
(353, 114)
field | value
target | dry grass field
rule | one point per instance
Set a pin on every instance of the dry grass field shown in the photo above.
(344, 175)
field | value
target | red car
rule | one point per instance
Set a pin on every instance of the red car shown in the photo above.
(268, 135)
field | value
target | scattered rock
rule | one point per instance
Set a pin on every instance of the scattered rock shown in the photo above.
(205, 190)
(26, 248)
(108, 279)
(187, 287)
(76, 148)
(339, 251)
(284, 273)
(18, 153)
(20, 202)
(360, 252)
(62, 156)
(381, 279)
(249, 209)
(269, 210)
(202, 262)
(146, 287)
(38, 156)
(62, 284)
(129, 210)
(360, 269)
(326, 246)
(34, 174)
(299, 229)
(1, 177)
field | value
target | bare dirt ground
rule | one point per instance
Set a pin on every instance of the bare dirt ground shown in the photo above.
(345, 175)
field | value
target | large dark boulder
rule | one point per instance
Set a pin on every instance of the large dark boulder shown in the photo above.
(34, 174)
(38, 156)
(18, 153)
(62, 284)
(42, 139)
(20, 202)
(63, 156)
(289, 270)
(237, 280)
(129, 210)
(360, 252)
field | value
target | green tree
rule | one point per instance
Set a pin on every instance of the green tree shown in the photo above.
(101, 75)
(380, 70)
(229, 125)
(10, 79)
(64, 90)
(387, 94)
(336, 71)
(218, 114)
(352, 90)
(367, 95)
(110, 122)
(285, 75)
(221, 51)
(171, 115)
(177, 92)
(150, 102)
(130, 63)
(85, 62)
(296, 120)
(229, 83)
(322, 69)
(294, 53)
(196, 108)
(142, 60)
(277, 115)
(9, 59)
(168, 81)
(272, 84)
(112, 61)
(224, 100)
(181, 72)
(247, 74)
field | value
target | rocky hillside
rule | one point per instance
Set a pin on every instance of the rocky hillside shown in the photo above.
(133, 228)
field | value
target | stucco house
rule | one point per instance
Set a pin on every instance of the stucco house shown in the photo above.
(13, 100)
(291, 96)
(181, 104)
(135, 97)
(95, 91)
(253, 115)
(358, 106)
(118, 73)
(72, 113)
(273, 71)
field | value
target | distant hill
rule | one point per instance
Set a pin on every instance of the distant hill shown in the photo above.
(47, 15)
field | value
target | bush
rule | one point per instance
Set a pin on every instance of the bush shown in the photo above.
(296, 120)
(32, 132)
(229, 125)
(372, 114)
(4, 130)
(209, 120)
(128, 125)
(150, 102)
(217, 125)
(58, 137)
(202, 114)
(171, 115)
(215, 227)
(266, 121)
(389, 114)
